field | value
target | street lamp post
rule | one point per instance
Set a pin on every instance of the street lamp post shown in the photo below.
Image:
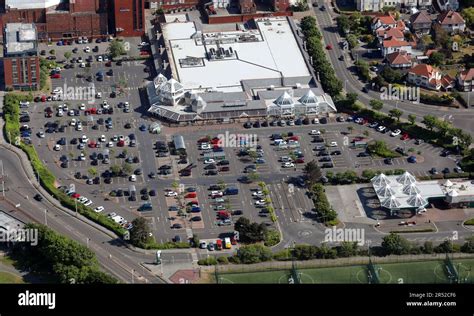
(87, 241)
(45, 217)
(133, 270)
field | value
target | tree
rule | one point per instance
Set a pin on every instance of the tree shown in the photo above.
(92, 171)
(254, 254)
(254, 176)
(250, 232)
(468, 15)
(116, 49)
(412, 119)
(430, 121)
(437, 58)
(441, 37)
(428, 247)
(395, 113)
(67, 55)
(444, 247)
(347, 249)
(377, 105)
(468, 246)
(140, 232)
(352, 97)
(312, 172)
(343, 24)
(115, 169)
(395, 244)
(391, 75)
(127, 168)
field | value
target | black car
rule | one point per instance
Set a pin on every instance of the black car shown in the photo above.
(247, 125)
(433, 171)
(445, 153)
(336, 153)
(363, 154)
(211, 173)
(446, 170)
(177, 226)
(152, 193)
(119, 63)
(38, 198)
(388, 161)
(237, 212)
(326, 158)
(224, 162)
(196, 219)
(256, 124)
(365, 90)
(327, 165)
(210, 167)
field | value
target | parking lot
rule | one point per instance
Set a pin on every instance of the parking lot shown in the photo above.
(83, 139)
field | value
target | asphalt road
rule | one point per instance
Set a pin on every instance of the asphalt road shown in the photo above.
(461, 118)
(112, 254)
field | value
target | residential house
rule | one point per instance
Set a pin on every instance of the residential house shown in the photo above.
(384, 22)
(369, 5)
(425, 76)
(420, 22)
(451, 22)
(465, 80)
(393, 33)
(424, 3)
(392, 45)
(399, 60)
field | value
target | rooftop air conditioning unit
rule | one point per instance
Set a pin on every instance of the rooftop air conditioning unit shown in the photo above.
(298, 86)
(272, 87)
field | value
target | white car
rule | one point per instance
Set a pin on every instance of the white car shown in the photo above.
(98, 95)
(395, 133)
(209, 161)
(216, 193)
(79, 126)
(171, 194)
(56, 91)
(110, 144)
(121, 138)
(118, 219)
(82, 65)
(71, 113)
(84, 139)
(83, 199)
(257, 194)
(40, 134)
(82, 107)
(333, 144)
(57, 147)
(315, 132)
(100, 58)
(113, 214)
(60, 113)
(87, 49)
(102, 139)
(288, 165)
(219, 200)
(99, 209)
(133, 178)
(381, 128)
(260, 203)
(82, 157)
(88, 203)
(73, 122)
(315, 121)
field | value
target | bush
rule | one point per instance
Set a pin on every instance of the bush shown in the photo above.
(211, 261)
(254, 254)
(282, 255)
(272, 237)
(223, 260)
(444, 100)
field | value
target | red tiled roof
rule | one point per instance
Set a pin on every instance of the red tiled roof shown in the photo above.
(467, 75)
(394, 43)
(430, 51)
(420, 17)
(398, 58)
(446, 81)
(386, 19)
(390, 32)
(423, 70)
(401, 25)
(450, 17)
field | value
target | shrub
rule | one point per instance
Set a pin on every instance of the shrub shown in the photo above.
(272, 237)
(211, 261)
(223, 260)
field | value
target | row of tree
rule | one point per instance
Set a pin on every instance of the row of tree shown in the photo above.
(330, 83)
(64, 259)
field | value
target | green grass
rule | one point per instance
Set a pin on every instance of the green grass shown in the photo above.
(469, 222)
(8, 278)
(425, 272)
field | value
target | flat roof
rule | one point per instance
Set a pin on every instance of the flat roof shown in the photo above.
(9, 221)
(20, 38)
(272, 53)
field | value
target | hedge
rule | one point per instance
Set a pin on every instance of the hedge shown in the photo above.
(167, 245)
(469, 222)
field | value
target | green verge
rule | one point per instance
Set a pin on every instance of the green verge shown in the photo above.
(47, 179)
(469, 222)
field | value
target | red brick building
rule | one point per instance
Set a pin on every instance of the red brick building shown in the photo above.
(64, 20)
(128, 17)
(21, 61)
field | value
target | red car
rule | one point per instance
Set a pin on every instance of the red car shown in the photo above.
(108, 64)
(191, 195)
(405, 137)
(223, 169)
(295, 138)
(56, 76)
(329, 47)
(92, 144)
(142, 53)
(43, 98)
(300, 160)
(76, 196)
(121, 143)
